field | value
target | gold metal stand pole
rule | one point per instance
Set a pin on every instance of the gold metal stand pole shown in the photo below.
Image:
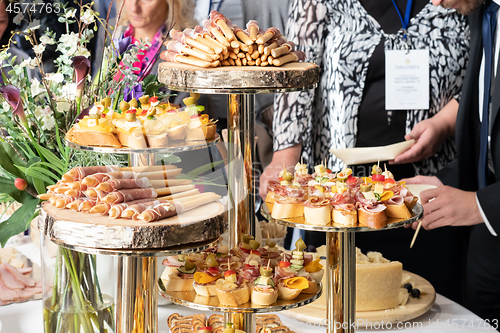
(241, 155)
(340, 282)
(137, 293)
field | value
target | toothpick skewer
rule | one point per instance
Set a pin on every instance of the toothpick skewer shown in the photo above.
(416, 233)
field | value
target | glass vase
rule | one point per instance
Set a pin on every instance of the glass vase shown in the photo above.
(78, 290)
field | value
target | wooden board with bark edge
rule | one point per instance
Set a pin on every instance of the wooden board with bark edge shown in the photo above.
(315, 313)
(101, 232)
(291, 75)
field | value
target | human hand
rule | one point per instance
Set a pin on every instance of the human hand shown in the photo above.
(448, 206)
(429, 135)
(288, 157)
(425, 180)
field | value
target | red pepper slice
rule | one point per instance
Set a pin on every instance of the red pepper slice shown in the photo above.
(132, 111)
(281, 179)
(328, 171)
(153, 99)
(144, 112)
(213, 270)
(389, 180)
(245, 250)
(378, 178)
(257, 253)
(247, 265)
(351, 180)
(285, 264)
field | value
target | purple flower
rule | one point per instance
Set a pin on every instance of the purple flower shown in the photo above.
(135, 92)
(13, 96)
(122, 45)
(82, 68)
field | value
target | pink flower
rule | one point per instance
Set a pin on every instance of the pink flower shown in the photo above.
(13, 96)
(82, 68)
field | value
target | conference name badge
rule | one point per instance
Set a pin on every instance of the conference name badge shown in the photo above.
(407, 79)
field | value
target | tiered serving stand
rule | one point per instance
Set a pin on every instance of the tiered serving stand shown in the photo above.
(136, 244)
(241, 84)
(340, 268)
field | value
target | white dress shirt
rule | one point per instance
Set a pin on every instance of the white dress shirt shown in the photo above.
(481, 90)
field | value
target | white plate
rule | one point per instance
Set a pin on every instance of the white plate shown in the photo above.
(352, 156)
(415, 189)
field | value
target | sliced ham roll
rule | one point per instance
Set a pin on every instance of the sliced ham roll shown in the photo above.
(79, 173)
(122, 184)
(130, 195)
(96, 179)
(117, 210)
(159, 212)
(20, 277)
(133, 211)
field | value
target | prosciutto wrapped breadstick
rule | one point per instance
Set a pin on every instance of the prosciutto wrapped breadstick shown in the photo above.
(181, 48)
(96, 179)
(79, 173)
(130, 195)
(182, 38)
(173, 189)
(274, 44)
(122, 184)
(95, 195)
(74, 193)
(198, 34)
(292, 56)
(170, 182)
(223, 23)
(74, 204)
(182, 194)
(242, 35)
(160, 174)
(253, 29)
(62, 201)
(81, 205)
(216, 32)
(173, 56)
(282, 50)
(270, 33)
(116, 210)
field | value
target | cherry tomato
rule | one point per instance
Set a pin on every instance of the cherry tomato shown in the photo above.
(229, 273)
(389, 180)
(328, 171)
(285, 264)
(257, 253)
(132, 111)
(352, 180)
(153, 99)
(144, 112)
(195, 116)
(244, 250)
(378, 178)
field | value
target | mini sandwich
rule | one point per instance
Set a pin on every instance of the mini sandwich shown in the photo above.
(396, 208)
(229, 292)
(318, 211)
(204, 282)
(264, 291)
(345, 214)
(289, 203)
(315, 270)
(290, 288)
(373, 217)
(179, 278)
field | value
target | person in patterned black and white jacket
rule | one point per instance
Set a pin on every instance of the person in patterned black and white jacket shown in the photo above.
(347, 39)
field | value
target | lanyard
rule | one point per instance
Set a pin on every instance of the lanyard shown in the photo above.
(406, 21)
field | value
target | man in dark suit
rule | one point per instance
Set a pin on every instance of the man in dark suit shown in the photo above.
(476, 202)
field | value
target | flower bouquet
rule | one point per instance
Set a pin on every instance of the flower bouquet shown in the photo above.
(37, 109)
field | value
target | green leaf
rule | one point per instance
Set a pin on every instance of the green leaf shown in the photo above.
(35, 173)
(204, 168)
(8, 157)
(172, 159)
(19, 221)
(148, 79)
(51, 158)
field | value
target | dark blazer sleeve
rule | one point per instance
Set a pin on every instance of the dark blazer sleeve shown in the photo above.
(489, 200)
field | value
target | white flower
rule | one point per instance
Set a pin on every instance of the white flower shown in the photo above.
(69, 91)
(39, 48)
(18, 18)
(48, 123)
(36, 88)
(70, 13)
(45, 115)
(4, 55)
(69, 40)
(55, 77)
(33, 26)
(88, 17)
(33, 63)
(82, 51)
(47, 40)
(6, 106)
(63, 106)
(25, 62)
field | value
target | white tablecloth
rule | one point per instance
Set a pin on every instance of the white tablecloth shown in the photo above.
(445, 315)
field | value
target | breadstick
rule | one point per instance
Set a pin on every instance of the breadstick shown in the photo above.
(263, 57)
(173, 189)
(210, 197)
(181, 48)
(220, 21)
(233, 55)
(149, 168)
(216, 47)
(270, 33)
(225, 56)
(73, 193)
(258, 62)
(264, 63)
(61, 190)
(251, 63)
(238, 62)
(45, 196)
(241, 55)
(260, 48)
(231, 62)
(249, 58)
(255, 54)
(243, 36)
(253, 28)
(244, 61)
(52, 200)
(235, 44)
(284, 49)
(292, 56)
(215, 44)
(250, 49)
(225, 63)
(53, 187)
(270, 60)
(160, 174)
(236, 50)
(215, 63)
(198, 45)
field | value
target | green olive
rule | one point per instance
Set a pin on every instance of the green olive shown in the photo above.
(94, 116)
(245, 246)
(130, 116)
(133, 103)
(189, 265)
(267, 272)
(365, 187)
(376, 170)
(152, 112)
(211, 261)
(287, 175)
(341, 177)
(270, 243)
(144, 99)
(124, 106)
(300, 245)
(107, 102)
(247, 238)
(254, 245)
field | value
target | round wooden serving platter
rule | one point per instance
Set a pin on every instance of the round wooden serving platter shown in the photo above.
(315, 313)
(67, 227)
(239, 79)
